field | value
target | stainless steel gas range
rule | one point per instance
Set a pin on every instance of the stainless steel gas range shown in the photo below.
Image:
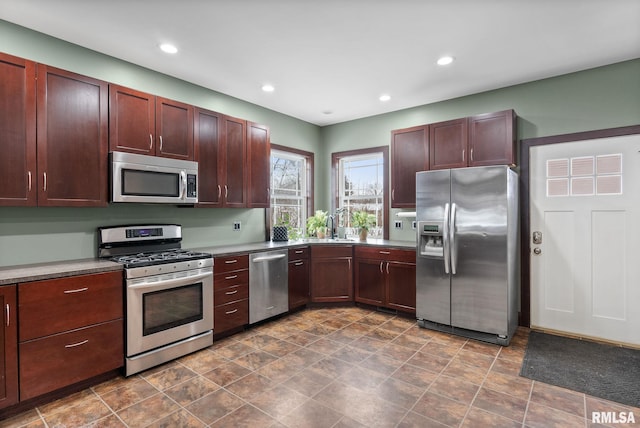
(168, 293)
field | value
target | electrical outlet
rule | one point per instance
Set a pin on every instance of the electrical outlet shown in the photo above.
(236, 225)
(413, 224)
(399, 224)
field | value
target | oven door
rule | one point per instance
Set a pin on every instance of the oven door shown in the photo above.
(168, 308)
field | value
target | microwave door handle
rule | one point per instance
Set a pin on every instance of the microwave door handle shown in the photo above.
(183, 187)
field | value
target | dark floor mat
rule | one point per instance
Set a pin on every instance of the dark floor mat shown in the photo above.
(603, 371)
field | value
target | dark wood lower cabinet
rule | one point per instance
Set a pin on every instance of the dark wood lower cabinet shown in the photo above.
(230, 294)
(299, 268)
(59, 360)
(386, 277)
(331, 273)
(8, 348)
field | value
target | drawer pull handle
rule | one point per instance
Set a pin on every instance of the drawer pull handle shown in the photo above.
(385, 252)
(299, 251)
(73, 345)
(231, 312)
(231, 277)
(77, 290)
(7, 312)
(229, 293)
(231, 261)
(299, 263)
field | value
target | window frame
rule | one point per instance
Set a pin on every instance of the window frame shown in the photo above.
(335, 185)
(309, 158)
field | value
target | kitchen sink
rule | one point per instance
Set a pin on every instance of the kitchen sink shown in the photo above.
(325, 240)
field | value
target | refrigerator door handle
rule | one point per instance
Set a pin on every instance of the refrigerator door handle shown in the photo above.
(452, 240)
(445, 238)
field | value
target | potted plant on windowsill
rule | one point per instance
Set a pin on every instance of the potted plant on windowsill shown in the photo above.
(317, 225)
(362, 220)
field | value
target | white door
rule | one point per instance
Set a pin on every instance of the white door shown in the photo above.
(585, 272)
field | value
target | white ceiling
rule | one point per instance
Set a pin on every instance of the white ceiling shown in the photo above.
(330, 60)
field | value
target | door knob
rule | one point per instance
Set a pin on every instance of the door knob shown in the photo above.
(537, 251)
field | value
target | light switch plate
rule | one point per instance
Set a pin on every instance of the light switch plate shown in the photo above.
(399, 224)
(236, 225)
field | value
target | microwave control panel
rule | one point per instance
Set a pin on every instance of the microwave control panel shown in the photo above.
(192, 186)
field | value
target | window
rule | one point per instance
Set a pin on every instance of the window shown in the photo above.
(361, 184)
(291, 188)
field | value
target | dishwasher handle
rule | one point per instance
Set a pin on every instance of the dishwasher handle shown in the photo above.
(269, 258)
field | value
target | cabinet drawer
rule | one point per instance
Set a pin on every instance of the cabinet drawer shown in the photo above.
(231, 263)
(230, 294)
(381, 253)
(60, 360)
(231, 315)
(229, 279)
(53, 306)
(331, 251)
(298, 253)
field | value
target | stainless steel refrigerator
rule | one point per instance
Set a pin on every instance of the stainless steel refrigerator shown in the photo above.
(468, 268)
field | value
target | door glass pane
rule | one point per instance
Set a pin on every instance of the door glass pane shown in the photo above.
(170, 308)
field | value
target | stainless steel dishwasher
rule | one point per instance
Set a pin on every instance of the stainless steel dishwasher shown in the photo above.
(268, 284)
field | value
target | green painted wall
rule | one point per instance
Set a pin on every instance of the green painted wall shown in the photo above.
(604, 97)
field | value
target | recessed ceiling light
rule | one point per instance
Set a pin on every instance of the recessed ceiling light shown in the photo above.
(385, 97)
(445, 60)
(268, 88)
(168, 48)
(327, 112)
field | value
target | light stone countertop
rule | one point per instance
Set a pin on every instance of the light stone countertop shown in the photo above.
(40, 271)
(60, 269)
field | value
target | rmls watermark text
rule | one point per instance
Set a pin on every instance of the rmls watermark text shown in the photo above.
(613, 418)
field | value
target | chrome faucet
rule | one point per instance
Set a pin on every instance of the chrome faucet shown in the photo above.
(333, 221)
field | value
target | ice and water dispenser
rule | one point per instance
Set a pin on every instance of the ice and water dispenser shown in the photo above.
(430, 239)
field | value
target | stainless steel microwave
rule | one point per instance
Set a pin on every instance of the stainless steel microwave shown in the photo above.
(150, 179)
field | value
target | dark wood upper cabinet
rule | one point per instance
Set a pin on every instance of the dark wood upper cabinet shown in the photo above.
(210, 157)
(174, 127)
(492, 138)
(131, 121)
(17, 131)
(259, 166)
(8, 347)
(148, 125)
(448, 144)
(234, 184)
(409, 154)
(72, 138)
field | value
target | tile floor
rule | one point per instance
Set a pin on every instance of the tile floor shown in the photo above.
(330, 367)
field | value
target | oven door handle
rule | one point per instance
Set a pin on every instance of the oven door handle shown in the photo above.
(168, 283)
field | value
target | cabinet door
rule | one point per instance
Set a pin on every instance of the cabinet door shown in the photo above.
(409, 154)
(401, 286)
(17, 131)
(174, 127)
(370, 281)
(235, 182)
(8, 347)
(131, 121)
(259, 165)
(331, 280)
(60, 360)
(210, 157)
(448, 144)
(492, 139)
(55, 305)
(298, 283)
(72, 139)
